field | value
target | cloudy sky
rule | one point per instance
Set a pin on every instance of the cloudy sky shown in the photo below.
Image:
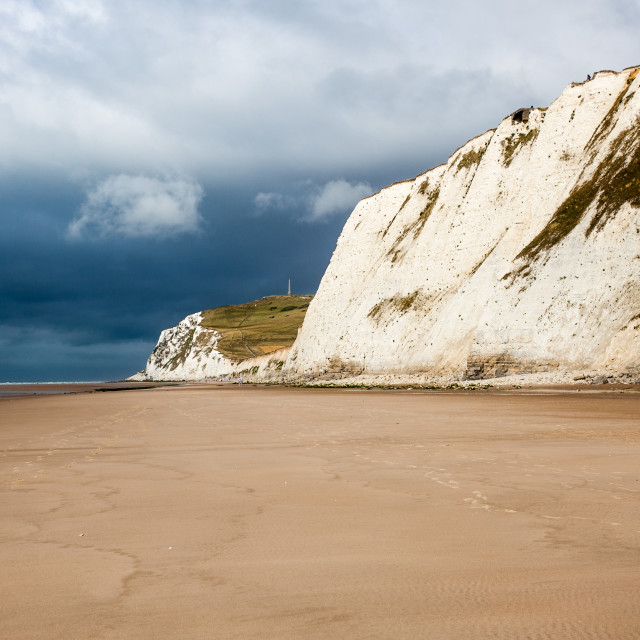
(159, 158)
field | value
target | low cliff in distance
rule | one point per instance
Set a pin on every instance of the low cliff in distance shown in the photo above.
(228, 341)
(519, 255)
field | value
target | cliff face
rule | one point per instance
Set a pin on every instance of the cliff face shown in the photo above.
(251, 339)
(521, 254)
(186, 352)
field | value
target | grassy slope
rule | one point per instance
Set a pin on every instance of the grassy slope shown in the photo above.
(258, 327)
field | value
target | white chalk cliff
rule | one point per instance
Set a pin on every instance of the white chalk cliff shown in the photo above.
(520, 254)
(189, 351)
(250, 339)
(185, 352)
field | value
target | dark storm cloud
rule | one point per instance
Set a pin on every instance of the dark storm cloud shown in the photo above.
(123, 291)
(163, 157)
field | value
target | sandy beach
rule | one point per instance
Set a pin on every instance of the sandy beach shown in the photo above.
(210, 511)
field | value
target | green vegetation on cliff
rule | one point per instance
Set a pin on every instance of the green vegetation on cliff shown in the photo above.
(259, 327)
(615, 183)
(515, 142)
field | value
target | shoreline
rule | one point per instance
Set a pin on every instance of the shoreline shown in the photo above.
(13, 390)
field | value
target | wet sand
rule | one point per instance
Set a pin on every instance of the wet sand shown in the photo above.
(8, 390)
(226, 512)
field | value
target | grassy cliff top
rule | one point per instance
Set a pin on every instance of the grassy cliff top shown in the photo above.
(259, 327)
